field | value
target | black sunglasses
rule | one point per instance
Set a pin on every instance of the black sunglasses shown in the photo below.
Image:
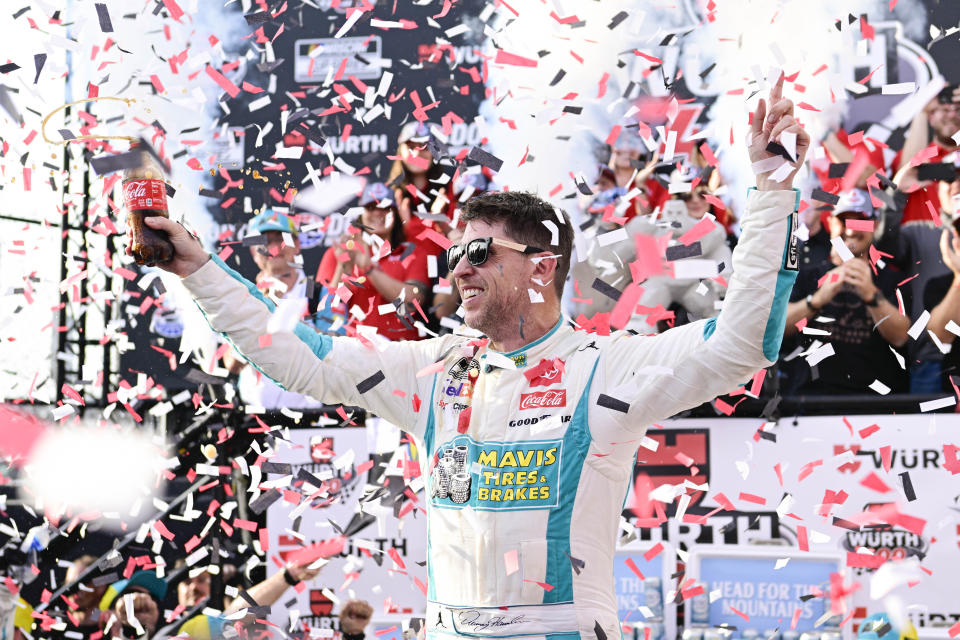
(478, 250)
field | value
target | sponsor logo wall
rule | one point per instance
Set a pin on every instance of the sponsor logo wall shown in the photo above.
(380, 560)
(823, 484)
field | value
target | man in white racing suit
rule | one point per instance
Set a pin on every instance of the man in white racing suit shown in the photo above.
(530, 431)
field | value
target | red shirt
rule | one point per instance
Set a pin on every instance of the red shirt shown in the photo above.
(917, 208)
(366, 296)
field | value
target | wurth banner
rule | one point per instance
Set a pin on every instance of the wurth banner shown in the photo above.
(884, 491)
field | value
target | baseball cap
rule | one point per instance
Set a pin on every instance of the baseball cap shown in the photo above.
(270, 220)
(855, 201)
(155, 586)
(379, 194)
(418, 132)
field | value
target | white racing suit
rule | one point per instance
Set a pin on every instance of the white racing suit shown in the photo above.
(529, 454)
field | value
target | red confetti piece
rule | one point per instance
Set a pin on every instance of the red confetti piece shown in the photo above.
(653, 552)
(175, 11)
(808, 107)
(740, 613)
(222, 80)
(874, 483)
(859, 225)
(542, 585)
(802, 542)
(749, 497)
(633, 567)
(954, 631)
(652, 59)
(505, 57)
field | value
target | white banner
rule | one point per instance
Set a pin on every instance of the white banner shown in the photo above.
(382, 562)
(824, 474)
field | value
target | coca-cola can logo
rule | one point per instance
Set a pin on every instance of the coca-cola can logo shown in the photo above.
(542, 399)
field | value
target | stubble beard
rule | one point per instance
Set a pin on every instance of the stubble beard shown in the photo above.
(496, 318)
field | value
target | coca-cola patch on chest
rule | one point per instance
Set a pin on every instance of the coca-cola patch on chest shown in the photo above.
(144, 194)
(543, 399)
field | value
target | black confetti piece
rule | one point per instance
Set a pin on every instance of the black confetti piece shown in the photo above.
(253, 241)
(199, 377)
(597, 629)
(371, 382)
(824, 196)
(104, 16)
(617, 19)
(8, 67)
(66, 134)
(209, 193)
(259, 17)
(806, 597)
(309, 478)
(170, 189)
(612, 403)
(283, 468)
(778, 149)
(576, 563)
(768, 435)
(21, 12)
(104, 165)
(884, 629)
(557, 78)
(908, 486)
(845, 524)
(485, 158)
(158, 286)
(583, 188)
(108, 578)
(39, 60)
(679, 251)
(837, 170)
(703, 74)
(572, 109)
(606, 289)
(264, 500)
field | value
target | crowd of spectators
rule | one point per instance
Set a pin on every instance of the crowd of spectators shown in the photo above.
(871, 313)
(158, 604)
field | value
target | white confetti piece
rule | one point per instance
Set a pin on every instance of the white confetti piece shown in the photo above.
(879, 387)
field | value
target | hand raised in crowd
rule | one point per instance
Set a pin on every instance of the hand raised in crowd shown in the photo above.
(355, 616)
(858, 275)
(358, 252)
(304, 570)
(144, 610)
(833, 283)
(950, 251)
(641, 180)
(770, 127)
(189, 254)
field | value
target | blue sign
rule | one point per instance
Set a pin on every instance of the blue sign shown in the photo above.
(503, 476)
(632, 591)
(768, 596)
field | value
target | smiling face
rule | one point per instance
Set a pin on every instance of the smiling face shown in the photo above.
(857, 241)
(945, 120)
(190, 591)
(495, 293)
(275, 251)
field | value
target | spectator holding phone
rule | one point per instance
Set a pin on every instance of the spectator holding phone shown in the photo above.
(934, 126)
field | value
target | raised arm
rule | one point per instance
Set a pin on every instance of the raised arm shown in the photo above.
(689, 365)
(377, 375)
(949, 307)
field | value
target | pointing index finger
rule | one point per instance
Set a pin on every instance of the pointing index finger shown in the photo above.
(776, 92)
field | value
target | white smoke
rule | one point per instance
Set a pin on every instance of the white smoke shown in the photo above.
(749, 42)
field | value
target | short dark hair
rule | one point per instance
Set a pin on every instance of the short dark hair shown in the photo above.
(523, 214)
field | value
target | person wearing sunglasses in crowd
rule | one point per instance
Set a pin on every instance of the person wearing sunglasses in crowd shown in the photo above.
(529, 427)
